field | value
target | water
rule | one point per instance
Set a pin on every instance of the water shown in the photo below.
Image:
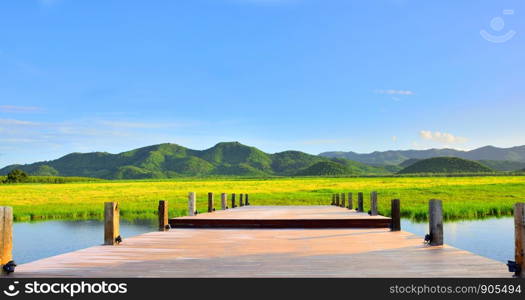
(32, 241)
(492, 238)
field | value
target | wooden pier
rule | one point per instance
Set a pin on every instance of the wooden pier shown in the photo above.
(316, 251)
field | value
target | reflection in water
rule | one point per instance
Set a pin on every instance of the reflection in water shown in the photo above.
(32, 241)
(492, 238)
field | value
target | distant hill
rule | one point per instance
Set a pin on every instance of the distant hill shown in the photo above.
(503, 165)
(445, 165)
(171, 160)
(325, 168)
(396, 157)
(409, 162)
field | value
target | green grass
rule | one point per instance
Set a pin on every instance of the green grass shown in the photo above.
(464, 197)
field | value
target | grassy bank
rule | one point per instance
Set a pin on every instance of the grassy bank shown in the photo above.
(464, 197)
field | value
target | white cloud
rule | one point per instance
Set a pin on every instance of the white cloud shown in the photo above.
(395, 92)
(16, 122)
(18, 109)
(394, 138)
(441, 137)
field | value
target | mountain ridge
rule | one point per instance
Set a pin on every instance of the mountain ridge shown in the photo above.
(172, 160)
(396, 157)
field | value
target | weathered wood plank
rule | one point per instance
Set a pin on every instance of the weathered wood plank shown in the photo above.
(436, 222)
(373, 204)
(163, 215)
(224, 199)
(192, 203)
(111, 223)
(519, 224)
(396, 214)
(6, 234)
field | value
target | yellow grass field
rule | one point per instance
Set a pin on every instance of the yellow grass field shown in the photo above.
(464, 197)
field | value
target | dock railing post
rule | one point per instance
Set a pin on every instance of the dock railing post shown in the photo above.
(396, 215)
(6, 235)
(519, 226)
(350, 204)
(343, 202)
(210, 202)
(111, 223)
(436, 222)
(360, 202)
(373, 203)
(224, 200)
(246, 202)
(336, 199)
(241, 201)
(192, 203)
(163, 215)
(333, 199)
(233, 200)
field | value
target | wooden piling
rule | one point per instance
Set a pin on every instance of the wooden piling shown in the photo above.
(360, 202)
(210, 202)
(192, 203)
(343, 202)
(396, 215)
(333, 199)
(350, 200)
(224, 200)
(241, 201)
(111, 223)
(6, 235)
(163, 215)
(373, 204)
(436, 222)
(246, 202)
(233, 200)
(336, 199)
(519, 226)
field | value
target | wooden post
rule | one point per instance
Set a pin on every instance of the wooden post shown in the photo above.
(210, 202)
(246, 202)
(241, 202)
(373, 203)
(343, 202)
(6, 235)
(163, 215)
(233, 200)
(192, 203)
(336, 199)
(224, 199)
(350, 200)
(396, 215)
(436, 222)
(333, 199)
(111, 223)
(360, 202)
(519, 226)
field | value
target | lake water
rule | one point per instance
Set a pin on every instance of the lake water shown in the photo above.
(493, 238)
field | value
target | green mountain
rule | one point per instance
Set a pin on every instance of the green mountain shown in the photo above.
(396, 157)
(325, 168)
(445, 165)
(503, 165)
(171, 160)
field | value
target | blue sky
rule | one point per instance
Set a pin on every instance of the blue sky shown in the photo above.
(310, 75)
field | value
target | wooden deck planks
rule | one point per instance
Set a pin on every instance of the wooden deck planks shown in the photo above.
(268, 253)
(283, 217)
